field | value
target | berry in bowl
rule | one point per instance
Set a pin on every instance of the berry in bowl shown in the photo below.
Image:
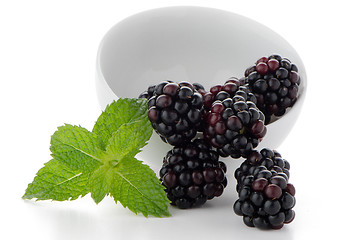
(181, 46)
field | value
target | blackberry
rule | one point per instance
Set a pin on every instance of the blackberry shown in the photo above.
(275, 82)
(175, 110)
(266, 198)
(192, 174)
(232, 122)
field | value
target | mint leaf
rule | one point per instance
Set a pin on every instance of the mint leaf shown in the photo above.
(101, 182)
(137, 187)
(102, 162)
(116, 114)
(58, 182)
(126, 140)
(129, 138)
(76, 147)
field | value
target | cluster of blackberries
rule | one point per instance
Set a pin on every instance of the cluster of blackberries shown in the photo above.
(266, 198)
(191, 171)
(192, 174)
(231, 120)
(274, 81)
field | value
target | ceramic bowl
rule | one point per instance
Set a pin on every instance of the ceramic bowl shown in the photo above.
(192, 44)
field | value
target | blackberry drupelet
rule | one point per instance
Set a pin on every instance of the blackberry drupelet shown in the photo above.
(175, 110)
(232, 122)
(275, 82)
(192, 174)
(151, 89)
(266, 198)
(149, 92)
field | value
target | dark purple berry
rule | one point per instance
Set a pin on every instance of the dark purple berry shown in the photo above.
(153, 114)
(230, 88)
(271, 82)
(193, 191)
(260, 86)
(273, 65)
(233, 124)
(171, 89)
(209, 189)
(288, 201)
(175, 110)
(273, 191)
(248, 221)
(192, 174)
(257, 198)
(259, 184)
(170, 179)
(261, 223)
(279, 181)
(183, 203)
(289, 216)
(247, 208)
(197, 177)
(277, 219)
(262, 68)
(266, 198)
(290, 189)
(237, 208)
(185, 93)
(272, 207)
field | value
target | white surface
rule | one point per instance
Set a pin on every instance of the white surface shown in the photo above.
(194, 44)
(47, 61)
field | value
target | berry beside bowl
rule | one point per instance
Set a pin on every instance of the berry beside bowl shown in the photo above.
(193, 44)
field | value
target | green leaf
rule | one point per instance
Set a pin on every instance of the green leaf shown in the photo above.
(102, 162)
(123, 145)
(56, 181)
(136, 186)
(101, 183)
(121, 112)
(76, 147)
(129, 138)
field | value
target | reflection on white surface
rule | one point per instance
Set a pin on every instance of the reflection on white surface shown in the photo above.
(83, 219)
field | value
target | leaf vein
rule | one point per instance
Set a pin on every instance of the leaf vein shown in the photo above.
(123, 177)
(80, 150)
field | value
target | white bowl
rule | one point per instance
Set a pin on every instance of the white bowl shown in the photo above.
(192, 44)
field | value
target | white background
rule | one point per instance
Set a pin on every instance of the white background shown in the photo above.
(47, 69)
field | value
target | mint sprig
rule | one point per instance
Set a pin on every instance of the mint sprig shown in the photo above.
(102, 162)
